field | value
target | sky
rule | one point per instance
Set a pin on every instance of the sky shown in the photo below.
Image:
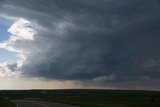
(5, 56)
(5, 24)
(100, 44)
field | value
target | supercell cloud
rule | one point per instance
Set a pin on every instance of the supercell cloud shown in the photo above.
(98, 42)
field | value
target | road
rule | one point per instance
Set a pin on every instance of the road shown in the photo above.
(29, 103)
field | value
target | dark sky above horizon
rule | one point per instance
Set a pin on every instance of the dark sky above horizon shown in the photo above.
(85, 43)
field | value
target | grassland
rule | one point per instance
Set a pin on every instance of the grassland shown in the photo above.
(6, 102)
(91, 98)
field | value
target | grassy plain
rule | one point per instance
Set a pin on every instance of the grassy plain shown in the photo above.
(6, 102)
(91, 98)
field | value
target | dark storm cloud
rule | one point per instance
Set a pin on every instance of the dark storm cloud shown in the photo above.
(100, 40)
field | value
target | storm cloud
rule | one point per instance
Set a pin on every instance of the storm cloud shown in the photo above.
(99, 42)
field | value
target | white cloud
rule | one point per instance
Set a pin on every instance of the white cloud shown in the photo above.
(8, 70)
(105, 78)
(22, 29)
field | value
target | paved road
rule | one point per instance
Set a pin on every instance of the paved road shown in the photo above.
(28, 103)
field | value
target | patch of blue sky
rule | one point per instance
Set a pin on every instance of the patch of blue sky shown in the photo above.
(6, 56)
(4, 26)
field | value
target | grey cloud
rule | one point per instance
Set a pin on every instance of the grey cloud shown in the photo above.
(84, 40)
(12, 66)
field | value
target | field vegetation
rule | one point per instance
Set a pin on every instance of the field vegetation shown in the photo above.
(5, 102)
(91, 98)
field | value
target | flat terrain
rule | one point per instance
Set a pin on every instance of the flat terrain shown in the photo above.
(6, 103)
(84, 98)
(29, 103)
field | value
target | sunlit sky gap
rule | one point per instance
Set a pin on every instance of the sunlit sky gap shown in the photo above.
(5, 56)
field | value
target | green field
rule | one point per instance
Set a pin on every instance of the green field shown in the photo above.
(6, 103)
(91, 98)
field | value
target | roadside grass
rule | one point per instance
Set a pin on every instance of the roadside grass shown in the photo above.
(104, 98)
(132, 104)
(113, 104)
(6, 103)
